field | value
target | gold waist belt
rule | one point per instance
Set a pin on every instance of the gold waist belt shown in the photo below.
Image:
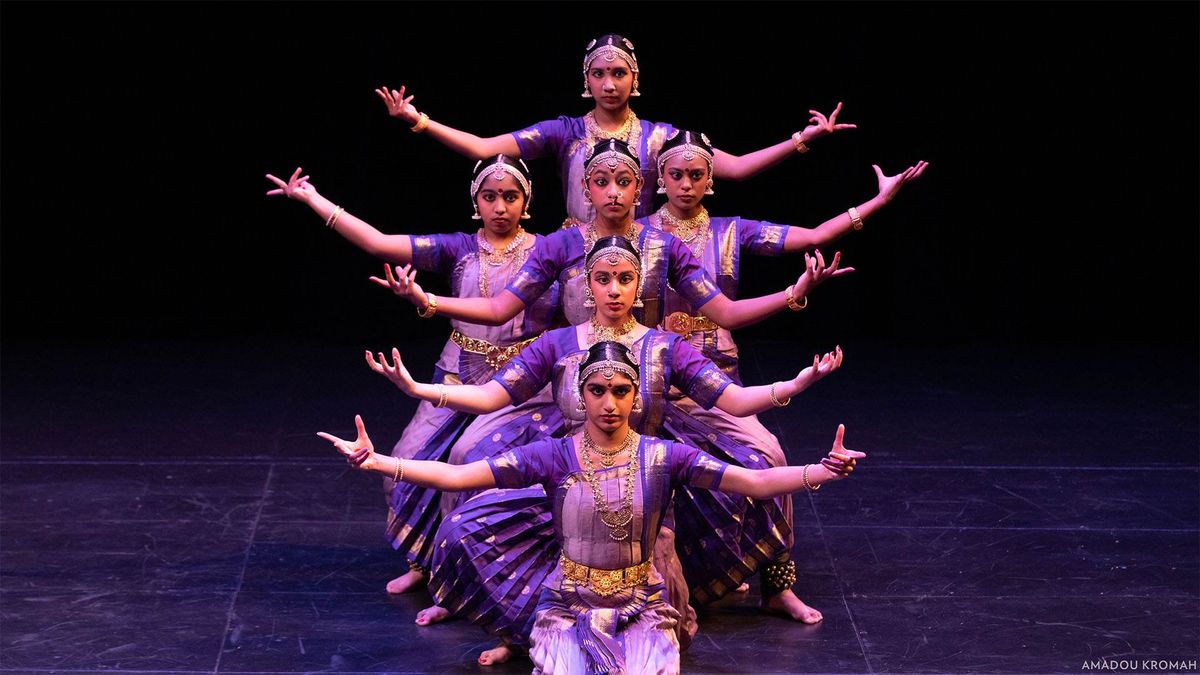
(686, 324)
(604, 582)
(495, 356)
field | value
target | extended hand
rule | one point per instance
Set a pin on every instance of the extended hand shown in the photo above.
(398, 105)
(816, 272)
(403, 284)
(819, 125)
(396, 372)
(297, 187)
(358, 452)
(821, 366)
(889, 186)
(841, 461)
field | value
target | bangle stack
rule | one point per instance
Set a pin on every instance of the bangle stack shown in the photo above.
(807, 485)
(422, 122)
(430, 309)
(333, 217)
(790, 297)
(442, 396)
(398, 472)
(775, 399)
(798, 143)
(855, 219)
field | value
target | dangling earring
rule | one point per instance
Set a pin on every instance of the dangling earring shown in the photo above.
(476, 216)
(587, 196)
(637, 404)
(635, 91)
(662, 187)
(587, 93)
(526, 216)
(709, 191)
(588, 300)
(637, 299)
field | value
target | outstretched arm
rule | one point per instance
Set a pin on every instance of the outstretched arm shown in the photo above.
(782, 480)
(733, 314)
(396, 248)
(470, 398)
(743, 401)
(360, 453)
(466, 144)
(491, 311)
(802, 238)
(741, 167)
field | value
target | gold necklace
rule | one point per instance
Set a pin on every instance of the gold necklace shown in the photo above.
(630, 130)
(598, 333)
(607, 457)
(590, 236)
(685, 229)
(615, 521)
(489, 256)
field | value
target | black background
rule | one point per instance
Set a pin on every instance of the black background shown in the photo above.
(1060, 207)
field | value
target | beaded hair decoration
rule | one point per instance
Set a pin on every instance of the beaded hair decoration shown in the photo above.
(612, 153)
(690, 146)
(617, 359)
(613, 254)
(611, 47)
(498, 169)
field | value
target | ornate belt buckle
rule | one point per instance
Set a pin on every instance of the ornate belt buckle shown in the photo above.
(679, 322)
(496, 356)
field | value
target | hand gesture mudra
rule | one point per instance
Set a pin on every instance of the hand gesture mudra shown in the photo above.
(403, 283)
(396, 372)
(398, 105)
(815, 272)
(841, 461)
(819, 125)
(297, 187)
(889, 186)
(821, 366)
(359, 453)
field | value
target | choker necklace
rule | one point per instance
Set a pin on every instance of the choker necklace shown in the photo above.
(590, 236)
(685, 229)
(608, 457)
(598, 333)
(615, 521)
(489, 256)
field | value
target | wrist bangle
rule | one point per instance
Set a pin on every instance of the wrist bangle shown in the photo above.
(790, 297)
(422, 122)
(430, 309)
(798, 143)
(333, 217)
(442, 396)
(855, 219)
(775, 399)
(398, 472)
(807, 485)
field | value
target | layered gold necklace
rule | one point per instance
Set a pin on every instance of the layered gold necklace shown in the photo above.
(616, 521)
(598, 333)
(590, 236)
(630, 130)
(490, 257)
(694, 231)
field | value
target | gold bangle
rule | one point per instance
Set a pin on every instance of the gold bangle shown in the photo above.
(798, 143)
(398, 472)
(775, 399)
(429, 309)
(422, 122)
(790, 297)
(442, 396)
(855, 219)
(807, 485)
(333, 217)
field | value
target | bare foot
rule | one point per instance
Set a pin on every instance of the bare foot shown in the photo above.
(409, 581)
(788, 604)
(431, 615)
(498, 654)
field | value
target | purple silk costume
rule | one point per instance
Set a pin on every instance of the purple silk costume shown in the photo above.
(728, 535)
(720, 255)
(414, 513)
(666, 261)
(566, 138)
(576, 630)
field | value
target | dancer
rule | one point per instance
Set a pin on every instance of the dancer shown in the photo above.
(667, 360)
(478, 264)
(685, 176)
(610, 78)
(603, 607)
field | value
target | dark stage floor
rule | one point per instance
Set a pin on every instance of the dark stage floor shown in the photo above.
(167, 508)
